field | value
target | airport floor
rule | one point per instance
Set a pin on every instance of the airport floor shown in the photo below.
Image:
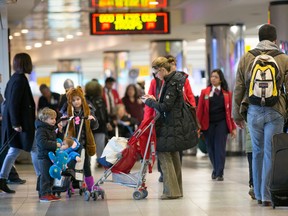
(202, 196)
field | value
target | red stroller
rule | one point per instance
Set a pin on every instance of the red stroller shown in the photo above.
(142, 145)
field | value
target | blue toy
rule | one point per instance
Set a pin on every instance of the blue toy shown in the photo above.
(62, 156)
(59, 160)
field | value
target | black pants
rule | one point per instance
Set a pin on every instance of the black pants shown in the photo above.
(249, 157)
(46, 182)
(215, 137)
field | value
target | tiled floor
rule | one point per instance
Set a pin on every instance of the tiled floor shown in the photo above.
(202, 196)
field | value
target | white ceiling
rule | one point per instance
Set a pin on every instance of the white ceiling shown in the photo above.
(188, 20)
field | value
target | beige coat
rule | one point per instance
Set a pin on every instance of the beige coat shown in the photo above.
(240, 98)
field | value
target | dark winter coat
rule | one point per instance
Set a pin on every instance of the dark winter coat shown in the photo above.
(100, 113)
(45, 139)
(19, 110)
(171, 127)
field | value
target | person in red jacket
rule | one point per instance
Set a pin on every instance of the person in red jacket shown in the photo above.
(110, 96)
(155, 88)
(214, 115)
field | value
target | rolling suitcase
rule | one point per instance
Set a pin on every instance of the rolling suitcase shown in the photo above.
(279, 174)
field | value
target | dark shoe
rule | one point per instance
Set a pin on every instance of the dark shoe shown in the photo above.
(266, 203)
(259, 202)
(4, 187)
(220, 178)
(160, 179)
(251, 193)
(16, 181)
(213, 176)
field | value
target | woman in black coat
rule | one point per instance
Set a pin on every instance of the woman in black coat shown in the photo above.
(18, 116)
(171, 128)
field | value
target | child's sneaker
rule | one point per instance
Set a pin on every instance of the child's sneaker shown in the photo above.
(97, 188)
(55, 198)
(46, 199)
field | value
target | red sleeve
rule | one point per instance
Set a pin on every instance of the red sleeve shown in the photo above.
(189, 94)
(116, 97)
(148, 111)
(200, 106)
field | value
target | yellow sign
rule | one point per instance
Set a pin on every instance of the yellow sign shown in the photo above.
(130, 23)
(129, 3)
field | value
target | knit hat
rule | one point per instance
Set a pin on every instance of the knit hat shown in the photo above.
(90, 142)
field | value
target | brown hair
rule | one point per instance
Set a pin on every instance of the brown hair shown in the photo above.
(22, 63)
(93, 89)
(171, 59)
(161, 62)
(69, 141)
(45, 113)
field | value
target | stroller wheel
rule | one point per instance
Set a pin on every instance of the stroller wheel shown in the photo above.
(145, 193)
(94, 195)
(87, 195)
(102, 194)
(137, 195)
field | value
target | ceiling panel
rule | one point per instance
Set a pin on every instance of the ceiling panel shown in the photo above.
(69, 20)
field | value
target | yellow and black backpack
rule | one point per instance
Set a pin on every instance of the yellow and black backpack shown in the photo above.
(264, 79)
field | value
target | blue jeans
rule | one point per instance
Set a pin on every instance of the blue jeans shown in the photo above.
(100, 141)
(12, 155)
(263, 123)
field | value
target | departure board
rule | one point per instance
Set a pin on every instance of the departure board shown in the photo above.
(129, 23)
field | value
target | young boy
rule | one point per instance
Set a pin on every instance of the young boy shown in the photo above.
(46, 142)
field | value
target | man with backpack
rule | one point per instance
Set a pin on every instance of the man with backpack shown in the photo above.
(260, 100)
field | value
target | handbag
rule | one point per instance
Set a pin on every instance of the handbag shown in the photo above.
(193, 112)
(191, 122)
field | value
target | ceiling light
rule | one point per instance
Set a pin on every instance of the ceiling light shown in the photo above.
(201, 40)
(28, 47)
(10, 37)
(17, 34)
(79, 33)
(153, 3)
(234, 29)
(48, 42)
(60, 39)
(69, 36)
(37, 45)
(24, 31)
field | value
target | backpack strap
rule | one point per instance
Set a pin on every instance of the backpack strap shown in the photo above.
(255, 52)
(272, 53)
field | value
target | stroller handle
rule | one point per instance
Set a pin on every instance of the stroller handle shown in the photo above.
(69, 121)
(157, 115)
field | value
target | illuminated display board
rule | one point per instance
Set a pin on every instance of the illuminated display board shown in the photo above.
(128, 3)
(129, 23)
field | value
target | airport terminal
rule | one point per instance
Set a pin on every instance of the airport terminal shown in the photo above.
(92, 42)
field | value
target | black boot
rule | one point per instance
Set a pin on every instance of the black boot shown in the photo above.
(4, 187)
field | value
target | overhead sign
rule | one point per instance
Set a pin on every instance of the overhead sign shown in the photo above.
(129, 3)
(129, 23)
